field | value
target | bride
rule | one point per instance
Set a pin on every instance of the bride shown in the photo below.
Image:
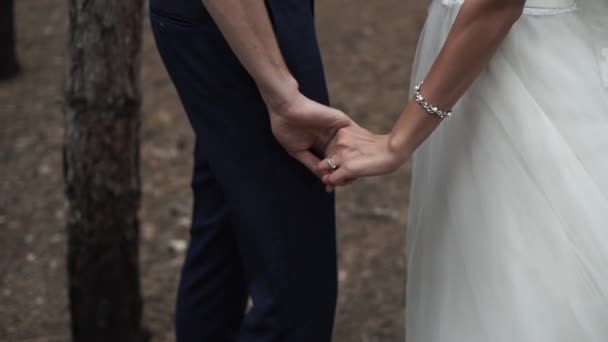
(508, 223)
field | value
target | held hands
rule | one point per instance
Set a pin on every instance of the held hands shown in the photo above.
(356, 152)
(307, 129)
(303, 126)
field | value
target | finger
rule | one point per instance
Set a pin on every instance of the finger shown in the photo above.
(330, 120)
(325, 165)
(328, 187)
(339, 178)
(328, 116)
(332, 188)
(310, 161)
(332, 147)
(332, 137)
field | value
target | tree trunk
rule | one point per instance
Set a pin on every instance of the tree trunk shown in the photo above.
(8, 59)
(101, 170)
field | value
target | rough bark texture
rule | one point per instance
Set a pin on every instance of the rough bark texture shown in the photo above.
(101, 170)
(8, 59)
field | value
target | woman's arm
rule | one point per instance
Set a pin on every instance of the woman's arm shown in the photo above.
(477, 32)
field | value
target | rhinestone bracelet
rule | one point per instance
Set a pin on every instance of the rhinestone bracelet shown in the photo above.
(429, 107)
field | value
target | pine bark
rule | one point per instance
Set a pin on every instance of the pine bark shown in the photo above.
(101, 170)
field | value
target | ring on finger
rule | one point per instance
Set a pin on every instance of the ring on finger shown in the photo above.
(332, 164)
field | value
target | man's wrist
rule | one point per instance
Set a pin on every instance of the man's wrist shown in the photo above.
(280, 93)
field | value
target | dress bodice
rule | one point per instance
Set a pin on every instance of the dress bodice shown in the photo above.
(536, 7)
(550, 3)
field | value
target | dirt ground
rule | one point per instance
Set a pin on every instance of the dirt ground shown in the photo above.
(368, 47)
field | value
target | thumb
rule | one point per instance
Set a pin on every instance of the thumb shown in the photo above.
(324, 116)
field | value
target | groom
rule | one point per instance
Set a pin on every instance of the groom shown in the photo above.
(250, 77)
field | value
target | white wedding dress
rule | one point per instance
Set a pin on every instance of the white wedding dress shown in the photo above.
(508, 224)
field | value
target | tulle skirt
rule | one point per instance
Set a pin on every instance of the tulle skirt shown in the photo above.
(508, 223)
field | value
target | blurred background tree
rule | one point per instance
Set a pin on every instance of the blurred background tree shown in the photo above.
(101, 169)
(8, 59)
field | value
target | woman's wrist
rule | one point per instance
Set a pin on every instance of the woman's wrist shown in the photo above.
(400, 139)
(398, 147)
(412, 129)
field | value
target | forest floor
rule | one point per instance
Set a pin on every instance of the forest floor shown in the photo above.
(368, 48)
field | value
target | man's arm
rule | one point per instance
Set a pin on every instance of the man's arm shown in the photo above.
(246, 27)
(298, 123)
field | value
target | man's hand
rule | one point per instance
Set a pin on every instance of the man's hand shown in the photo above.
(304, 128)
(300, 125)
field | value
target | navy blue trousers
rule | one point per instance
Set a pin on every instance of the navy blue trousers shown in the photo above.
(263, 226)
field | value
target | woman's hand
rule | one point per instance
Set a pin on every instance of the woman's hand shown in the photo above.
(356, 152)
